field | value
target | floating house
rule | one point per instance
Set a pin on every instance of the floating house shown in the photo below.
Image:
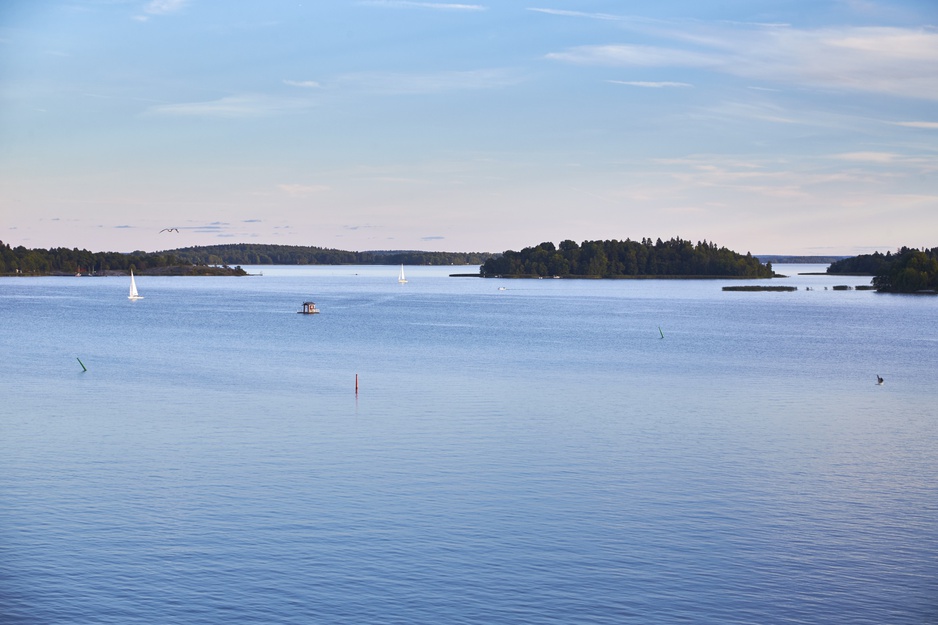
(309, 308)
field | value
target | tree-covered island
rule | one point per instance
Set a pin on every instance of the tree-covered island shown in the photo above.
(675, 258)
(909, 270)
(64, 261)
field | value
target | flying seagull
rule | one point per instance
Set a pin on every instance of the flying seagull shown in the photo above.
(879, 380)
(170, 230)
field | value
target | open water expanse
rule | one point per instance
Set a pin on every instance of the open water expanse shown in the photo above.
(531, 455)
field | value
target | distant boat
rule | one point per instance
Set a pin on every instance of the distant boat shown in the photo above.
(134, 296)
(401, 278)
(309, 308)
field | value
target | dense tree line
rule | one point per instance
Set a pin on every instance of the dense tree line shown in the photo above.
(865, 264)
(61, 260)
(613, 259)
(20, 260)
(262, 254)
(909, 271)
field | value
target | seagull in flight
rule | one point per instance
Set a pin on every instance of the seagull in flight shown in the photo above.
(170, 230)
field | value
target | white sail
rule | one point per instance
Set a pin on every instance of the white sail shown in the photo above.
(401, 277)
(133, 288)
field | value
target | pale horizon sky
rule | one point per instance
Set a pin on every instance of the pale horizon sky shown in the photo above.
(796, 127)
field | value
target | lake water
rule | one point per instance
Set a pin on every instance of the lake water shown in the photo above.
(537, 454)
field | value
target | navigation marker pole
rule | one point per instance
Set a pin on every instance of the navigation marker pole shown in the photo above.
(660, 332)
(83, 369)
(356, 384)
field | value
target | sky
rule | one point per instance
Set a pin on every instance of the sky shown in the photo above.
(767, 126)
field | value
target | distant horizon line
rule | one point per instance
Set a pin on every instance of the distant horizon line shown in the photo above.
(399, 251)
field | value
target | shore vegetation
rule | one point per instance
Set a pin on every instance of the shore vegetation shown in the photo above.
(626, 259)
(909, 270)
(263, 254)
(64, 261)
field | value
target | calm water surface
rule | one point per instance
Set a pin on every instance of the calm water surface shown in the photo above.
(537, 454)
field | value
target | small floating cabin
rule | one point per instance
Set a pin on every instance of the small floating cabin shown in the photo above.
(309, 308)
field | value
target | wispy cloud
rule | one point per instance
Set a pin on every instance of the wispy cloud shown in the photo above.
(302, 190)
(438, 82)
(894, 61)
(231, 107)
(651, 85)
(215, 226)
(595, 16)
(160, 7)
(432, 238)
(305, 84)
(439, 6)
(629, 55)
(869, 157)
(926, 125)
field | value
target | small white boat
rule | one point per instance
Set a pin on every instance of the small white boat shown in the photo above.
(309, 308)
(134, 296)
(401, 278)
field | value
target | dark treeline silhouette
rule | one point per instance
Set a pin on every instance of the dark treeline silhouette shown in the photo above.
(614, 259)
(62, 260)
(20, 260)
(262, 254)
(909, 270)
(865, 264)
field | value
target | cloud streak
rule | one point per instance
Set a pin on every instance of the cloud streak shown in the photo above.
(438, 82)
(925, 125)
(595, 16)
(438, 6)
(302, 190)
(650, 85)
(160, 7)
(304, 84)
(901, 62)
(231, 107)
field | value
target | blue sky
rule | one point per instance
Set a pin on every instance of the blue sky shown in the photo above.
(800, 126)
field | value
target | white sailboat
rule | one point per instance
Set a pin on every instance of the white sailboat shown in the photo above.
(134, 296)
(401, 277)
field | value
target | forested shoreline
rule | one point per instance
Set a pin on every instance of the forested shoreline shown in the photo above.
(64, 261)
(909, 270)
(623, 259)
(208, 260)
(264, 254)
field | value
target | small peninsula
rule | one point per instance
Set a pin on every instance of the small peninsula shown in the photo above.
(269, 254)
(909, 270)
(209, 260)
(675, 258)
(62, 261)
